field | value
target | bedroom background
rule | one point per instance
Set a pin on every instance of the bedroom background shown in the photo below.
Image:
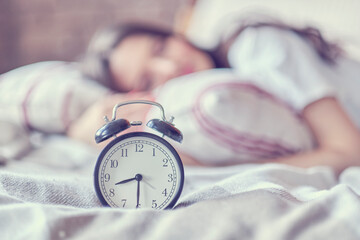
(49, 191)
(39, 30)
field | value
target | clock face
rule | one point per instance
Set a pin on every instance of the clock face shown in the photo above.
(139, 170)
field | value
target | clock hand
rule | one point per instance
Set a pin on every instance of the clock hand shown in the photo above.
(138, 195)
(147, 182)
(138, 178)
(126, 180)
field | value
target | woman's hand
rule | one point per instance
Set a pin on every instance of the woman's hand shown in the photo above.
(85, 127)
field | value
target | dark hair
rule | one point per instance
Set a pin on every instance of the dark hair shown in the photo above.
(327, 50)
(95, 62)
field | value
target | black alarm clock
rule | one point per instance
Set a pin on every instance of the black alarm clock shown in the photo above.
(138, 169)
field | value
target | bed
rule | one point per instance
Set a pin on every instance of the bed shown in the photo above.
(49, 194)
(46, 192)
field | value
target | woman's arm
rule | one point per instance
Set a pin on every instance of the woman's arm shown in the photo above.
(337, 137)
(85, 127)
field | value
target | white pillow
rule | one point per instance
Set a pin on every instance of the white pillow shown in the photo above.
(227, 120)
(46, 96)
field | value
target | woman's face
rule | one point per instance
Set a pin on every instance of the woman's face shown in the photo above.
(142, 62)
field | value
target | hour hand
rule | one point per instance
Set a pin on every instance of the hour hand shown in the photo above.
(125, 181)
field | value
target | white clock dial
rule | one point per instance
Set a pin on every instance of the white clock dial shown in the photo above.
(139, 170)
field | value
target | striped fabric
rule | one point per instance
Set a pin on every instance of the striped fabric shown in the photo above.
(46, 96)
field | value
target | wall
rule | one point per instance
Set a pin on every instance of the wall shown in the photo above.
(40, 30)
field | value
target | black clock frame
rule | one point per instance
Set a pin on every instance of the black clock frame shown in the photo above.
(136, 134)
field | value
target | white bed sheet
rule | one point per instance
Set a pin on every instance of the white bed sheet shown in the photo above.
(48, 194)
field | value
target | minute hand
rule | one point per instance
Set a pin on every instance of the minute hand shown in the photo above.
(125, 181)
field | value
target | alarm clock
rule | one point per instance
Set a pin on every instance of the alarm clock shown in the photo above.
(138, 169)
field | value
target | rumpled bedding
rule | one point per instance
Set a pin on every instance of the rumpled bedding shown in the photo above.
(46, 182)
(47, 193)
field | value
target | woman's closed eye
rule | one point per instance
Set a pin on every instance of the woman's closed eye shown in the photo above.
(158, 46)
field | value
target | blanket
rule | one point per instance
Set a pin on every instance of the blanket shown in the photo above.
(48, 193)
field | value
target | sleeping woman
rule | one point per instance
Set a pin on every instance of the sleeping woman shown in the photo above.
(260, 70)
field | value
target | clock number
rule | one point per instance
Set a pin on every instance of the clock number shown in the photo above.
(114, 163)
(124, 202)
(154, 204)
(165, 161)
(107, 177)
(164, 192)
(139, 148)
(170, 177)
(112, 192)
(124, 152)
(153, 152)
